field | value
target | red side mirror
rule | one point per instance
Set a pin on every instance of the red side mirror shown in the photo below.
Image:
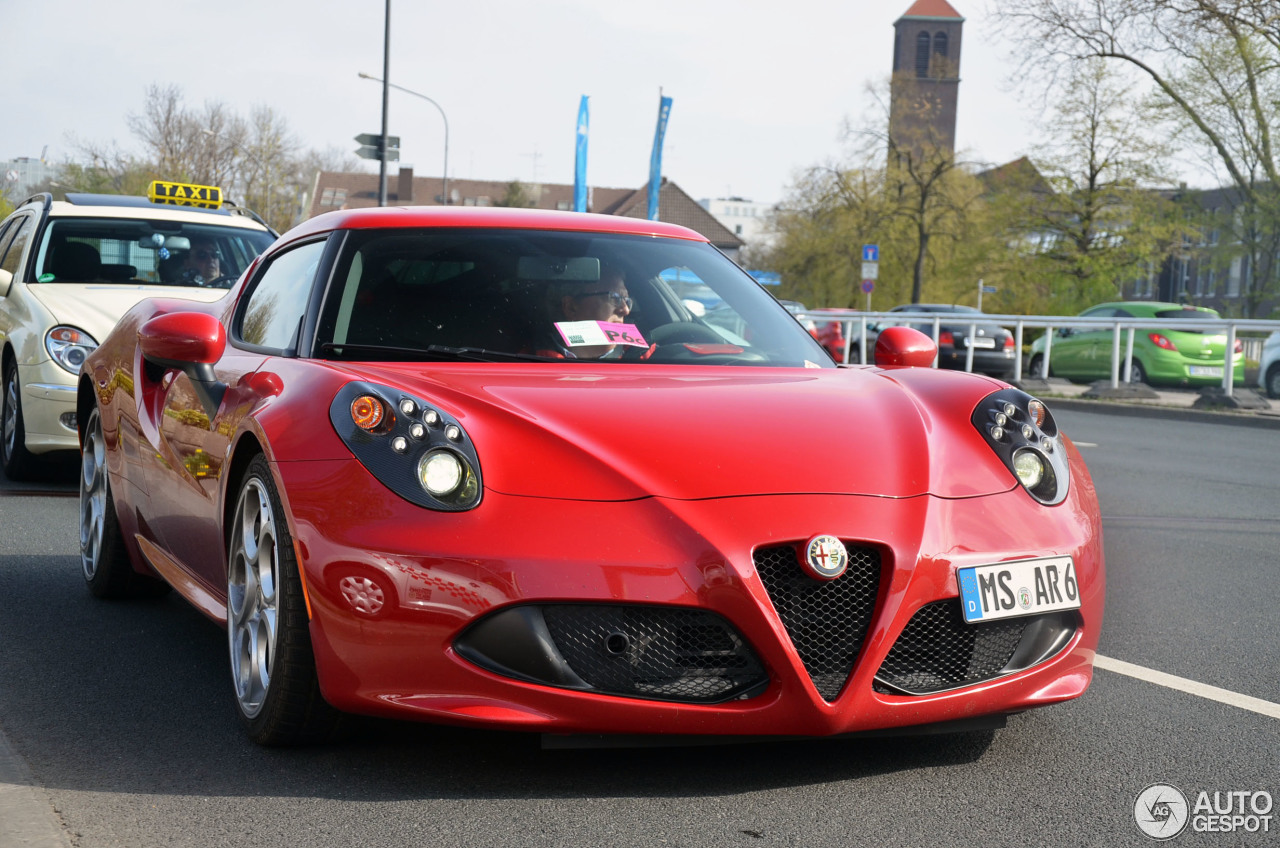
(181, 338)
(904, 346)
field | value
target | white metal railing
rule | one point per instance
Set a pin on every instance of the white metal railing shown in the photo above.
(849, 318)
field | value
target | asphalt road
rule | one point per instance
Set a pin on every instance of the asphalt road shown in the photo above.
(121, 732)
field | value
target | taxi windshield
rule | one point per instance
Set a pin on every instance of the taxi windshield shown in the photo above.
(517, 295)
(147, 252)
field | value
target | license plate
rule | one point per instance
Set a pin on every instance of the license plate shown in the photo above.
(984, 342)
(1023, 587)
(1205, 370)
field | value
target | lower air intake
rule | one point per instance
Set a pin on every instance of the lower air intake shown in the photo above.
(938, 650)
(663, 653)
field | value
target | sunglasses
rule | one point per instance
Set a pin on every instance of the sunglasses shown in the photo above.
(616, 300)
(205, 254)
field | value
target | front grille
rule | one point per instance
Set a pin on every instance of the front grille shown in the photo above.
(664, 653)
(826, 620)
(938, 650)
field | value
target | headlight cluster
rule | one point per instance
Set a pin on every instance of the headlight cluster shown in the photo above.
(69, 346)
(1021, 431)
(418, 451)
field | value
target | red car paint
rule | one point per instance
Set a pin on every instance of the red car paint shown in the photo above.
(608, 483)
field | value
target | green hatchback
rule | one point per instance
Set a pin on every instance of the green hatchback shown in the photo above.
(1168, 357)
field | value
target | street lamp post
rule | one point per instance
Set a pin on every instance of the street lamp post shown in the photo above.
(442, 116)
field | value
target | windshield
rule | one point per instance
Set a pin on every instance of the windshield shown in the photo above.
(518, 295)
(155, 252)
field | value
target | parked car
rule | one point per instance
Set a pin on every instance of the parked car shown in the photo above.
(1269, 366)
(993, 347)
(69, 269)
(360, 463)
(1175, 356)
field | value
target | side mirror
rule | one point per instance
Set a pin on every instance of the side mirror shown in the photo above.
(6, 280)
(898, 346)
(190, 342)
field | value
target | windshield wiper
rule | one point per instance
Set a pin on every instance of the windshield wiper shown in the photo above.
(431, 353)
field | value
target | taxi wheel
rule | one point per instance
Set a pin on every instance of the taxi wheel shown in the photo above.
(14, 456)
(1137, 374)
(272, 662)
(104, 559)
(1034, 366)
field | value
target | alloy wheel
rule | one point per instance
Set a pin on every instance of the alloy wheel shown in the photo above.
(253, 602)
(93, 496)
(10, 413)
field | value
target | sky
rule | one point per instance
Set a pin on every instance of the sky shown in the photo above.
(760, 90)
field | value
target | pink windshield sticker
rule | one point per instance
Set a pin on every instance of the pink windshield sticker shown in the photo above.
(588, 333)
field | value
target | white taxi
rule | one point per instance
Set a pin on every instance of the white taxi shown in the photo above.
(70, 268)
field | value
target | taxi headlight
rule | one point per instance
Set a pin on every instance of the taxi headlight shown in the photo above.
(69, 346)
(1022, 432)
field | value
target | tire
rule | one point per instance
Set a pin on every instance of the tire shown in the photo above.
(104, 558)
(1272, 381)
(17, 461)
(1137, 374)
(1033, 367)
(277, 691)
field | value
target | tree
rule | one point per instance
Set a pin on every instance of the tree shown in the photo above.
(1101, 224)
(1215, 64)
(517, 195)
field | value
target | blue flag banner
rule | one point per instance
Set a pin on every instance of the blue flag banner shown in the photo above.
(655, 161)
(580, 167)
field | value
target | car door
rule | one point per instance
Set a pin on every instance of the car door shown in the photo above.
(1075, 348)
(195, 442)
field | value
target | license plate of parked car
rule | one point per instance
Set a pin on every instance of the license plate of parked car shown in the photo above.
(1022, 587)
(984, 342)
(1206, 370)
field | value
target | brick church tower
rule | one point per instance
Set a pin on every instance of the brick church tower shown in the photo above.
(926, 77)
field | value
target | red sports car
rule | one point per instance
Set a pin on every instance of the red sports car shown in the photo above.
(484, 467)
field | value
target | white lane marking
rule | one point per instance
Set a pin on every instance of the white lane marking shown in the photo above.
(1191, 687)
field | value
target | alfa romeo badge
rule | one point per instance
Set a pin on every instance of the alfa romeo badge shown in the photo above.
(825, 557)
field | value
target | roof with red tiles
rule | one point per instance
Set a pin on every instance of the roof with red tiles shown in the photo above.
(932, 9)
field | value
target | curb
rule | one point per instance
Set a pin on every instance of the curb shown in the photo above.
(1168, 413)
(26, 816)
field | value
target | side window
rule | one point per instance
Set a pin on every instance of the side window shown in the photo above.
(274, 308)
(13, 243)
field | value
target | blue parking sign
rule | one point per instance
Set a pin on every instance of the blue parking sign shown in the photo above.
(871, 253)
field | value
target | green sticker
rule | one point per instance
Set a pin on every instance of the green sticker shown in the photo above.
(45, 278)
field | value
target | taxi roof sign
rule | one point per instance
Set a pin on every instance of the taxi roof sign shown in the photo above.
(185, 194)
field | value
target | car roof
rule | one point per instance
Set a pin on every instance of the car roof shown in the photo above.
(487, 218)
(1152, 308)
(126, 206)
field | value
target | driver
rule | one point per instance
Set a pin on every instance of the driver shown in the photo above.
(605, 299)
(201, 265)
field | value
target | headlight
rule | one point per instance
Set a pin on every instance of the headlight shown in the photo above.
(418, 451)
(69, 346)
(1023, 434)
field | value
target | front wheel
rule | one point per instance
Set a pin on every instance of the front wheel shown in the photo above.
(272, 663)
(14, 456)
(104, 559)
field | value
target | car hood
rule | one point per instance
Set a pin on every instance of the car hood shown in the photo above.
(624, 432)
(96, 307)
